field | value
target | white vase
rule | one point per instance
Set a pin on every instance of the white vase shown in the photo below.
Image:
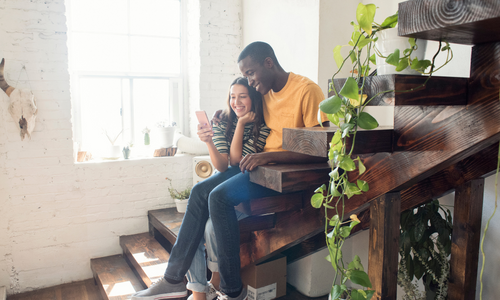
(112, 152)
(181, 205)
(165, 136)
(388, 41)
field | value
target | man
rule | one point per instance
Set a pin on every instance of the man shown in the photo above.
(290, 100)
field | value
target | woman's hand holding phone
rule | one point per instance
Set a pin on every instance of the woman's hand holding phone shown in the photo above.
(205, 132)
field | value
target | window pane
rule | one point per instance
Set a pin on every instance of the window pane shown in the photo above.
(99, 16)
(150, 97)
(100, 104)
(100, 52)
(155, 55)
(155, 17)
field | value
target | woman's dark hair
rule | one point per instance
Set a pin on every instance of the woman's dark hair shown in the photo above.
(229, 116)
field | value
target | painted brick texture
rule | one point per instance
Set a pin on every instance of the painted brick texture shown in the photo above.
(56, 215)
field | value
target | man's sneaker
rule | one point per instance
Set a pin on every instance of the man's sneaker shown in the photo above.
(211, 294)
(242, 296)
(162, 289)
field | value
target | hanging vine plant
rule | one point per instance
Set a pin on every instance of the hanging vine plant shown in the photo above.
(345, 109)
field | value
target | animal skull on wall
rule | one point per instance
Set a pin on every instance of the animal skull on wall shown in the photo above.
(22, 105)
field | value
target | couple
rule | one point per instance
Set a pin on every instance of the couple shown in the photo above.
(289, 100)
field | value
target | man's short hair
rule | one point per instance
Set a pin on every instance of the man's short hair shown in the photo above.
(258, 51)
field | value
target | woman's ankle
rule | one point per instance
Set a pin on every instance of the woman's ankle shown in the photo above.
(199, 296)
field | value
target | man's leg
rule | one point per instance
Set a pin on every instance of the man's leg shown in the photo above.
(222, 201)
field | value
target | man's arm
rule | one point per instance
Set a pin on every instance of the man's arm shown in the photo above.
(251, 161)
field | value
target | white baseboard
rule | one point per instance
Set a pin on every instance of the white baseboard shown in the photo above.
(3, 293)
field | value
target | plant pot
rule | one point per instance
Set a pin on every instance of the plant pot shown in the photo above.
(181, 205)
(126, 152)
(165, 136)
(112, 152)
(388, 41)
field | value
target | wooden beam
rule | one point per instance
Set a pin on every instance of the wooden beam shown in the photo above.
(468, 22)
(286, 178)
(315, 141)
(437, 91)
(467, 214)
(384, 245)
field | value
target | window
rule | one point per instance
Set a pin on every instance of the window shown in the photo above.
(125, 67)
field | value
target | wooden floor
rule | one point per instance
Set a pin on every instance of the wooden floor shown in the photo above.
(87, 290)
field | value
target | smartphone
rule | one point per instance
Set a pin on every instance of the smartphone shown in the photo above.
(202, 118)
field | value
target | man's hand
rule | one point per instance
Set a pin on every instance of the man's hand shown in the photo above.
(251, 161)
(216, 117)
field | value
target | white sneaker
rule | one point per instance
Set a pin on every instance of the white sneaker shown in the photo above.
(211, 294)
(162, 289)
(242, 296)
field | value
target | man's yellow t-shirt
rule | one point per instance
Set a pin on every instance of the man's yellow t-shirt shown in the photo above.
(295, 105)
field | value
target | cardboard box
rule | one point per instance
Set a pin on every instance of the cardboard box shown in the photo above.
(266, 280)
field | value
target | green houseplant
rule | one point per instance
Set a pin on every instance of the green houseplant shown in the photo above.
(345, 109)
(425, 247)
(180, 197)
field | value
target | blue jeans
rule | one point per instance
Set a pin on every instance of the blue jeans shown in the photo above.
(215, 197)
(197, 274)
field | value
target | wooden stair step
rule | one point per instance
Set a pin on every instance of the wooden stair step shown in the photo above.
(114, 277)
(437, 91)
(287, 178)
(147, 257)
(165, 223)
(315, 140)
(275, 204)
(465, 22)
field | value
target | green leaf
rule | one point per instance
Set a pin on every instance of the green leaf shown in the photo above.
(363, 185)
(361, 166)
(353, 56)
(415, 64)
(356, 295)
(393, 58)
(373, 59)
(390, 22)
(336, 292)
(345, 231)
(334, 220)
(355, 264)
(335, 254)
(320, 189)
(337, 56)
(366, 121)
(419, 230)
(352, 190)
(336, 137)
(335, 174)
(361, 278)
(317, 200)
(403, 64)
(365, 15)
(330, 105)
(347, 164)
(369, 294)
(350, 89)
(412, 42)
(335, 193)
(364, 42)
(333, 118)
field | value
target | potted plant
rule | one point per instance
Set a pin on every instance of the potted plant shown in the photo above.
(345, 109)
(113, 151)
(181, 198)
(165, 131)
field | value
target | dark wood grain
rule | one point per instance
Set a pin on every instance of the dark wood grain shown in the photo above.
(463, 22)
(466, 234)
(437, 91)
(315, 140)
(167, 222)
(145, 255)
(115, 278)
(279, 203)
(384, 245)
(287, 178)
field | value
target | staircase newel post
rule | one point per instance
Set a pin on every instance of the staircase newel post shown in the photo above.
(383, 253)
(465, 238)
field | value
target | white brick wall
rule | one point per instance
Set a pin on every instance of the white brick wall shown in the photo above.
(54, 214)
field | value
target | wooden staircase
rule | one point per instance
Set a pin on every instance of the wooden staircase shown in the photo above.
(445, 138)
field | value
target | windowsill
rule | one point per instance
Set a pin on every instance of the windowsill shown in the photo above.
(132, 159)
